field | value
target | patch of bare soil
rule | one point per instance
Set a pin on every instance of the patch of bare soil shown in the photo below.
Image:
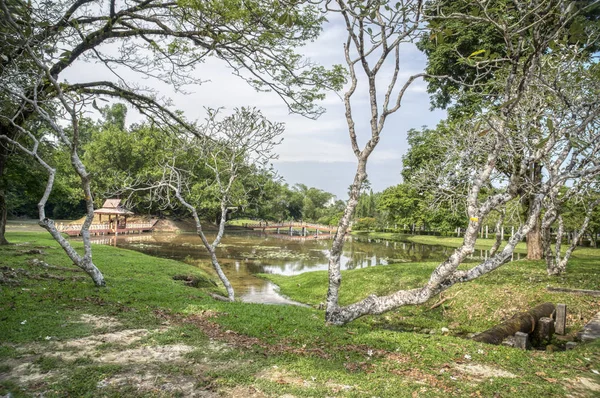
(583, 387)
(25, 373)
(142, 370)
(247, 392)
(479, 371)
(100, 322)
(153, 380)
(283, 376)
(146, 354)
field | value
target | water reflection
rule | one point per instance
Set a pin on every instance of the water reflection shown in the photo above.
(243, 254)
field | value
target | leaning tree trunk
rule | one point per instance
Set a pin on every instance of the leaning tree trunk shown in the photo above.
(524, 322)
(84, 262)
(211, 248)
(499, 234)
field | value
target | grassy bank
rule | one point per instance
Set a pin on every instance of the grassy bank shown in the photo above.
(448, 241)
(149, 335)
(482, 244)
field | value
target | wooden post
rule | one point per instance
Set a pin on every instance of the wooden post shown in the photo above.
(502, 233)
(522, 340)
(561, 319)
(486, 231)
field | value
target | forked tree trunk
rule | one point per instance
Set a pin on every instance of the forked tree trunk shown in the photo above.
(211, 248)
(499, 234)
(84, 262)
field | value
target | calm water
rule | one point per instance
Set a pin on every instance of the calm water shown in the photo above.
(243, 254)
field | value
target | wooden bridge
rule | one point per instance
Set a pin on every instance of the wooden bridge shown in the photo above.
(108, 228)
(303, 229)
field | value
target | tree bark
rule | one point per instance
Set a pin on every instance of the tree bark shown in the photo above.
(524, 322)
(535, 249)
(534, 243)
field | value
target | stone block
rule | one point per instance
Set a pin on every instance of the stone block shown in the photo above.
(560, 325)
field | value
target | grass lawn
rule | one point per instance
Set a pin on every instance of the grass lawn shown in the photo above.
(149, 335)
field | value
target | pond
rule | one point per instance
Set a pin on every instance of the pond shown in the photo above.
(243, 254)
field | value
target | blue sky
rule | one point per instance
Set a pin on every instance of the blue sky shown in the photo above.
(314, 152)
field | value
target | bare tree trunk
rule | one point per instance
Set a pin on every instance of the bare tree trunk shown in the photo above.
(211, 248)
(561, 265)
(534, 243)
(335, 274)
(498, 241)
(534, 237)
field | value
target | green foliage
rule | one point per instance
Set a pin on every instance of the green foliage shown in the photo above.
(454, 45)
(365, 224)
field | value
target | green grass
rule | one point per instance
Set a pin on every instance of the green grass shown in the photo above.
(475, 305)
(283, 349)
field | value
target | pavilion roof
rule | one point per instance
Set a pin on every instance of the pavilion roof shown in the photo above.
(113, 206)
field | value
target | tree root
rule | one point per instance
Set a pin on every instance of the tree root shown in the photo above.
(219, 297)
(41, 263)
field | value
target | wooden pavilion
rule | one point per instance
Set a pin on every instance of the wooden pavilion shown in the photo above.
(112, 207)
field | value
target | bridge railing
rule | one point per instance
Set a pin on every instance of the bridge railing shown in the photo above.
(140, 225)
(288, 224)
(77, 227)
(104, 226)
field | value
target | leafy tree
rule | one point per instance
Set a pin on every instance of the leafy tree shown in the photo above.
(228, 149)
(536, 115)
(255, 39)
(458, 45)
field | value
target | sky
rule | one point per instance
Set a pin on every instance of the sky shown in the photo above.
(313, 152)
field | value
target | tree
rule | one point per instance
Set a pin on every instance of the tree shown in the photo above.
(227, 148)
(500, 144)
(66, 109)
(375, 32)
(161, 40)
(556, 263)
(454, 41)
